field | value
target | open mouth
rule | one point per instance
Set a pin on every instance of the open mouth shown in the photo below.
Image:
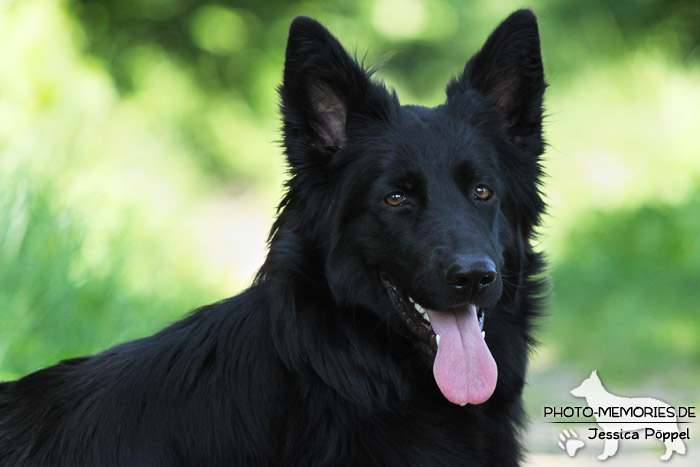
(464, 369)
(416, 317)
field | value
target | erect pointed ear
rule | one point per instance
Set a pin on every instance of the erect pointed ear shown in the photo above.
(508, 72)
(323, 89)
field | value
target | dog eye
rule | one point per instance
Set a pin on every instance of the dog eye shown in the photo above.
(395, 199)
(482, 193)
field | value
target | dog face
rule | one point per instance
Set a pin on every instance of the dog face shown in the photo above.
(426, 212)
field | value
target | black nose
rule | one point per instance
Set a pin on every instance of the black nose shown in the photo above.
(471, 273)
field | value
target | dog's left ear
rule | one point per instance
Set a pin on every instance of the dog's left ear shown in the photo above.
(324, 90)
(508, 72)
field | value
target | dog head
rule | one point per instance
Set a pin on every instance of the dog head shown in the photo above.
(419, 216)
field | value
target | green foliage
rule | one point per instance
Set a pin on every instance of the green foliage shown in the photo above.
(54, 301)
(234, 51)
(626, 292)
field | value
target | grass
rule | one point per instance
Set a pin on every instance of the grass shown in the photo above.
(56, 301)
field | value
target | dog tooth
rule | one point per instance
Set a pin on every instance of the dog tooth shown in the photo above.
(437, 339)
(420, 309)
(462, 404)
(483, 334)
(411, 299)
(426, 316)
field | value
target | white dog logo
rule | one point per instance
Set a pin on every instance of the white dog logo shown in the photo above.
(609, 417)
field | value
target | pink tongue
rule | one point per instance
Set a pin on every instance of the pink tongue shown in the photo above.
(464, 368)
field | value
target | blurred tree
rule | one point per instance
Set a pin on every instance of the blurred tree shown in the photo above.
(234, 50)
(225, 40)
(629, 279)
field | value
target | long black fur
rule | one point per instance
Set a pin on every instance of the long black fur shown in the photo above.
(312, 365)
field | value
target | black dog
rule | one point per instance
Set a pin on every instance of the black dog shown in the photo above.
(404, 231)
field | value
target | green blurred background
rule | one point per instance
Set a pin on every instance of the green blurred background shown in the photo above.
(140, 167)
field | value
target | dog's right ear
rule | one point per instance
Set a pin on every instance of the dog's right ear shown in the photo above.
(323, 91)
